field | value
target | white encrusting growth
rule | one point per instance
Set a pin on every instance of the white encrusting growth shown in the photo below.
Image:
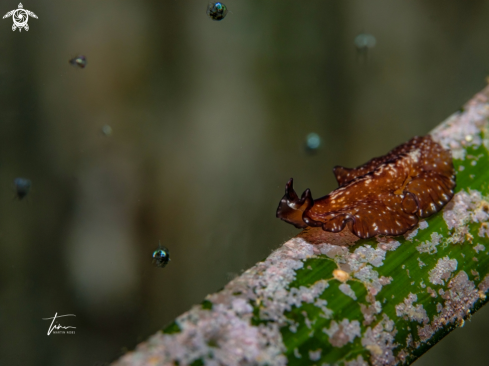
(458, 300)
(429, 246)
(423, 224)
(464, 209)
(379, 340)
(479, 247)
(347, 290)
(407, 310)
(343, 332)
(443, 270)
(484, 230)
(410, 235)
(315, 355)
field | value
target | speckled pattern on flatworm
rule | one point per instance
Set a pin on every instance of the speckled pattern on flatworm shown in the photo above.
(385, 196)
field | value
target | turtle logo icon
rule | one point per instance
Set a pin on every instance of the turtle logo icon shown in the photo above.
(20, 17)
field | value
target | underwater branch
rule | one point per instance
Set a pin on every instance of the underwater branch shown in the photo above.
(380, 301)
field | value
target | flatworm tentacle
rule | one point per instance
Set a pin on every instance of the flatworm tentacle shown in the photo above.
(385, 196)
(291, 208)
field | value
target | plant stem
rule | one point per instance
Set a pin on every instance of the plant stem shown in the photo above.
(377, 302)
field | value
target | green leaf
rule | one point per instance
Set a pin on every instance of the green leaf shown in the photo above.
(382, 301)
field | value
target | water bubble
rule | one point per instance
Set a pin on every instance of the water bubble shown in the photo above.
(364, 41)
(22, 187)
(107, 130)
(313, 142)
(161, 256)
(217, 11)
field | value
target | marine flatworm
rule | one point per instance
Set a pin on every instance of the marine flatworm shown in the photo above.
(385, 196)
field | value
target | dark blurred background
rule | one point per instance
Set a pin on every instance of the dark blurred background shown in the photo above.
(209, 120)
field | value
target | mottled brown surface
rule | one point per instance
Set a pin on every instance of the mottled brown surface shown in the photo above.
(385, 196)
(316, 235)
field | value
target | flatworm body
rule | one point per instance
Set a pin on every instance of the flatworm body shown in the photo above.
(385, 196)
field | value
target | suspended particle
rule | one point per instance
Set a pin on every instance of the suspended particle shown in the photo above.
(217, 11)
(80, 61)
(363, 43)
(107, 130)
(161, 256)
(313, 142)
(22, 187)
